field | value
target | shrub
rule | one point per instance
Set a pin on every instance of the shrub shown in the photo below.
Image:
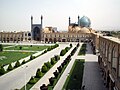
(1, 47)
(67, 48)
(20, 47)
(44, 69)
(62, 53)
(57, 57)
(52, 61)
(56, 73)
(32, 80)
(49, 48)
(48, 64)
(43, 87)
(17, 64)
(10, 67)
(51, 80)
(23, 62)
(2, 71)
(39, 73)
(31, 57)
(70, 45)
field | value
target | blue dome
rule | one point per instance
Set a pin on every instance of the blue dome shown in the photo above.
(85, 22)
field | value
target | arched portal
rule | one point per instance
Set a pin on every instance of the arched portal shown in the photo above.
(36, 33)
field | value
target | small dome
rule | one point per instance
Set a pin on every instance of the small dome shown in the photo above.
(85, 22)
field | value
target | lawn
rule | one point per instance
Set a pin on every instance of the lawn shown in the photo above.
(74, 80)
(4, 45)
(82, 50)
(9, 57)
(27, 47)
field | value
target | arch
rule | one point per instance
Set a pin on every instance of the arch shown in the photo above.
(36, 33)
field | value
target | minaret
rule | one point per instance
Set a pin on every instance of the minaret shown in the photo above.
(41, 21)
(31, 22)
(78, 20)
(69, 21)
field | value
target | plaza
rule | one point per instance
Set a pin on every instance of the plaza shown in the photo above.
(101, 54)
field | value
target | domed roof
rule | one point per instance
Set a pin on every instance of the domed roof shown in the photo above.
(85, 22)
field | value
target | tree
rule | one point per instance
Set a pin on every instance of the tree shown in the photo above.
(2, 71)
(48, 64)
(32, 80)
(52, 61)
(44, 69)
(10, 67)
(1, 47)
(20, 47)
(23, 62)
(70, 45)
(39, 73)
(62, 53)
(17, 64)
(51, 80)
(43, 87)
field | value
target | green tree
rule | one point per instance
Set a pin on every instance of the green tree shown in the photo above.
(39, 73)
(52, 61)
(20, 47)
(1, 47)
(32, 80)
(10, 67)
(62, 53)
(2, 71)
(48, 64)
(44, 69)
(23, 62)
(17, 64)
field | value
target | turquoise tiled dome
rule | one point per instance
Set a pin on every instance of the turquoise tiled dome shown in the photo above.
(85, 22)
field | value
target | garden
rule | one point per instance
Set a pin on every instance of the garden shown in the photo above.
(74, 80)
(27, 47)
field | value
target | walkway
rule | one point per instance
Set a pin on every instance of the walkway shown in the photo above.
(45, 78)
(65, 74)
(92, 78)
(16, 78)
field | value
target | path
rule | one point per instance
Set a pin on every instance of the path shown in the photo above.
(92, 78)
(45, 78)
(65, 74)
(16, 78)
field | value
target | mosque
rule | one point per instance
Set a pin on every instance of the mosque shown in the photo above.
(77, 32)
(108, 47)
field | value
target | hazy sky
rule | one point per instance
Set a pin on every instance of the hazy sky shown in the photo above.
(15, 14)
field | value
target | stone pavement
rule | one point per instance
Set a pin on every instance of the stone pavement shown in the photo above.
(65, 74)
(45, 78)
(16, 78)
(92, 78)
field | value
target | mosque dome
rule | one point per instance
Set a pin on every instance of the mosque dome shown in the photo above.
(85, 22)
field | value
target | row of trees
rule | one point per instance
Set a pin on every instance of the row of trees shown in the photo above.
(59, 71)
(10, 67)
(46, 66)
(64, 51)
(17, 64)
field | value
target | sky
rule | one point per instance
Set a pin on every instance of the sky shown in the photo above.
(15, 15)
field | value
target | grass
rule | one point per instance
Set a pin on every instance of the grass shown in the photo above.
(9, 57)
(82, 50)
(74, 80)
(6, 45)
(27, 47)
